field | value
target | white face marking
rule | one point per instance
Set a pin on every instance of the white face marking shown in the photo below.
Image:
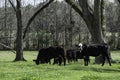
(80, 46)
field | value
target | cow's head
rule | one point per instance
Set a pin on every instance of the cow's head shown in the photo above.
(80, 46)
(36, 61)
(41, 61)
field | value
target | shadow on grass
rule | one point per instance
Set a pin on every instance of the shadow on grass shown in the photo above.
(91, 78)
(100, 69)
(97, 77)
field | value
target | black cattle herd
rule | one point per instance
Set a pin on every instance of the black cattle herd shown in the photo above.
(83, 51)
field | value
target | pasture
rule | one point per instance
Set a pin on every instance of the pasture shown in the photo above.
(74, 71)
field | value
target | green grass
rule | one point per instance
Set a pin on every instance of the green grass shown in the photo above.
(74, 71)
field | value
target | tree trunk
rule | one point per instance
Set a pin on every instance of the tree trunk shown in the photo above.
(99, 59)
(19, 39)
(5, 25)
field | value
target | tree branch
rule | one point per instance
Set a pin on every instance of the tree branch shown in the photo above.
(82, 9)
(12, 5)
(34, 15)
(8, 47)
(86, 9)
(75, 6)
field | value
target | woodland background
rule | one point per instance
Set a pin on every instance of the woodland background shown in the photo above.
(58, 24)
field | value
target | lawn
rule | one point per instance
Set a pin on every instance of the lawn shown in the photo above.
(74, 71)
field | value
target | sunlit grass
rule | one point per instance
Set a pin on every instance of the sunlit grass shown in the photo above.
(74, 71)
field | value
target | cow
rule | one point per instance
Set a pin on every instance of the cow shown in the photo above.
(79, 55)
(70, 55)
(73, 55)
(41, 58)
(46, 54)
(95, 50)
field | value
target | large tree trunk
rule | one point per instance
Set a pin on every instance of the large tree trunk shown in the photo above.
(92, 20)
(19, 39)
(100, 9)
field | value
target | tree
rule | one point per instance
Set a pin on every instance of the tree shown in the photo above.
(20, 36)
(19, 39)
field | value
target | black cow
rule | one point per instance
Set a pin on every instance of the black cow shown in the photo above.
(41, 58)
(79, 55)
(71, 55)
(46, 54)
(95, 50)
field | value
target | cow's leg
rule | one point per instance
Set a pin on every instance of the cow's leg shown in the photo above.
(68, 60)
(85, 61)
(103, 60)
(49, 62)
(108, 58)
(64, 61)
(76, 59)
(54, 61)
(60, 61)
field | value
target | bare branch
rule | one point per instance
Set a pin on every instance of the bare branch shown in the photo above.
(12, 5)
(75, 6)
(34, 15)
(8, 47)
(87, 10)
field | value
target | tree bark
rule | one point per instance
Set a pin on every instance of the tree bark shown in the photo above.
(19, 39)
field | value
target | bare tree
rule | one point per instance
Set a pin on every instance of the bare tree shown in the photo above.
(20, 36)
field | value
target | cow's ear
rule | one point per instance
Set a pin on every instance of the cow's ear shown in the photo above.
(34, 60)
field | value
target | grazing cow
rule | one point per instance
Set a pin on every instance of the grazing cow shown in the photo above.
(41, 58)
(46, 54)
(95, 50)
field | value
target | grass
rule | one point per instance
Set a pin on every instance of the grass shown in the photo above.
(74, 71)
